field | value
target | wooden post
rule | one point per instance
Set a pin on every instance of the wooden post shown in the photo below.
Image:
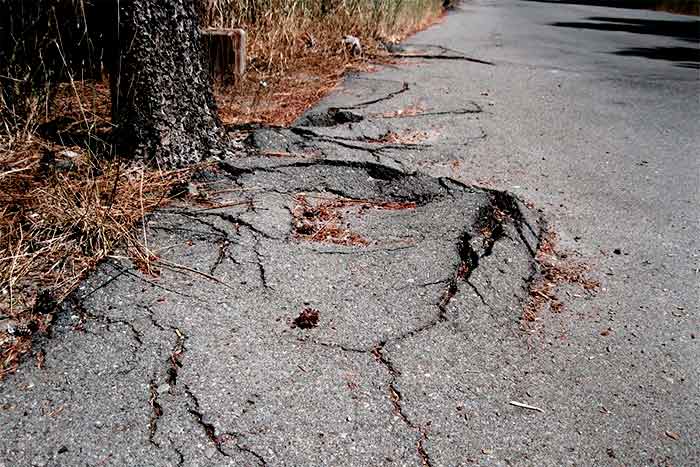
(226, 49)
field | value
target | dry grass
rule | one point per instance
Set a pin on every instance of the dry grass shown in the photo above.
(296, 55)
(61, 213)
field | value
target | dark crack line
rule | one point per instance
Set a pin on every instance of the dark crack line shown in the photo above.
(367, 251)
(261, 264)
(173, 365)
(199, 234)
(443, 57)
(247, 450)
(104, 284)
(180, 456)
(347, 143)
(391, 95)
(211, 432)
(464, 111)
(162, 287)
(234, 172)
(78, 304)
(209, 429)
(333, 345)
(151, 316)
(237, 222)
(418, 46)
(175, 360)
(476, 291)
(508, 204)
(389, 172)
(156, 413)
(396, 400)
(185, 270)
(198, 216)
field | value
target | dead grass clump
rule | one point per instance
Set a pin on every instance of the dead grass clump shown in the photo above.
(556, 269)
(62, 212)
(324, 222)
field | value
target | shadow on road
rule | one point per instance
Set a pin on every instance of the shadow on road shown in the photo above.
(685, 56)
(689, 31)
(683, 30)
(678, 7)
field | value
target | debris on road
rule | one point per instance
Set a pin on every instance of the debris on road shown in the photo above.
(307, 319)
(526, 406)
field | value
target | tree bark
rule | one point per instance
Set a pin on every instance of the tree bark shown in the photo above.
(162, 102)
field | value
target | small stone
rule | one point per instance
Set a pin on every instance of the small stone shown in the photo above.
(353, 43)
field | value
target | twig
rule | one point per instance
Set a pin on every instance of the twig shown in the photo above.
(194, 271)
(526, 406)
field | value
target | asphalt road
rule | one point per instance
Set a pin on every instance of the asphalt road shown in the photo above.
(590, 115)
(594, 114)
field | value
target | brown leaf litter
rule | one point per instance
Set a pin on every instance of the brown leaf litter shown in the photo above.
(324, 221)
(556, 268)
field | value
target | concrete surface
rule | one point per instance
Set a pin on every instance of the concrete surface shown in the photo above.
(589, 113)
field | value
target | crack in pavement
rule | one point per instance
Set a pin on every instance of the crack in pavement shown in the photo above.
(389, 96)
(217, 438)
(422, 51)
(261, 264)
(459, 254)
(443, 57)
(469, 260)
(477, 109)
(162, 287)
(174, 363)
(81, 310)
(180, 456)
(156, 412)
(376, 150)
(396, 401)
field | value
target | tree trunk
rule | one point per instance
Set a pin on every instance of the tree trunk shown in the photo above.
(162, 102)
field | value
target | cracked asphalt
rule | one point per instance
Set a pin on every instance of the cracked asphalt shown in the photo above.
(421, 284)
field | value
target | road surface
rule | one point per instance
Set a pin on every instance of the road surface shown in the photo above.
(420, 356)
